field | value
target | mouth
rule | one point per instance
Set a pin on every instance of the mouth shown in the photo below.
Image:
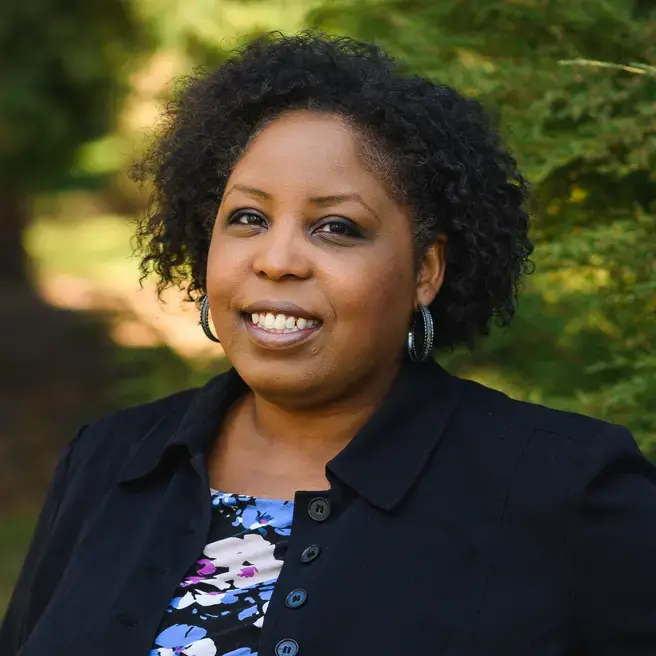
(275, 326)
(280, 318)
(280, 324)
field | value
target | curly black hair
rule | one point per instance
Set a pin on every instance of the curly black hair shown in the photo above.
(437, 149)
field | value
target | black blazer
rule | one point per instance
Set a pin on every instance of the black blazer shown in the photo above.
(460, 522)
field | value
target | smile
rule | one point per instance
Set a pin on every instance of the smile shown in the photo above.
(281, 323)
(275, 330)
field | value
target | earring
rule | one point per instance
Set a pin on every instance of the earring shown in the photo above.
(428, 334)
(205, 319)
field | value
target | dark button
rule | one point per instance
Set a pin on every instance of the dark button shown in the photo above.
(310, 553)
(154, 570)
(319, 509)
(287, 647)
(127, 620)
(296, 598)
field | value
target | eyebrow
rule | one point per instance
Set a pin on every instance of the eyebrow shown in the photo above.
(320, 201)
(253, 191)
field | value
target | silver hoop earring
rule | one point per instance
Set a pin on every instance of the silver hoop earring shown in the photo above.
(428, 334)
(205, 319)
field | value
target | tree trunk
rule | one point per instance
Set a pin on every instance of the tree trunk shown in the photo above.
(14, 215)
(53, 367)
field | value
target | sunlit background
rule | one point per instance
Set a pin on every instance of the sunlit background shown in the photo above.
(81, 87)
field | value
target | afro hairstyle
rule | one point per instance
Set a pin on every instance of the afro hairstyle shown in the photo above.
(438, 150)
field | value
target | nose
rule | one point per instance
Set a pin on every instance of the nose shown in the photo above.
(282, 254)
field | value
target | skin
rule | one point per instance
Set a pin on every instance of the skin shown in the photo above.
(348, 262)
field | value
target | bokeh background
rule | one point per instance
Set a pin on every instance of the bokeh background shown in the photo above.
(572, 83)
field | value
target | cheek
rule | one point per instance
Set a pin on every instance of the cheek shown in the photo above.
(223, 266)
(225, 273)
(376, 296)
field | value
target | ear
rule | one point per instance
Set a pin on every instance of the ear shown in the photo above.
(431, 271)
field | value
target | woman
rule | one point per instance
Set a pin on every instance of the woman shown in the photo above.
(339, 220)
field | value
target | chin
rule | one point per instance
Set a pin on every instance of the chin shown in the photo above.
(283, 383)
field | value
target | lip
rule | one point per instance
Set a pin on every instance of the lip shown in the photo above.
(279, 307)
(280, 341)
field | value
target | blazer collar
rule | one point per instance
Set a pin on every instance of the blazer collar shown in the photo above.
(189, 430)
(382, 461)
(388, 455)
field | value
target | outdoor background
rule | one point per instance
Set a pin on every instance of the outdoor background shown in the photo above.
(81, 83)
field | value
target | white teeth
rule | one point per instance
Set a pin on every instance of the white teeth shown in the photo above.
(281, 323)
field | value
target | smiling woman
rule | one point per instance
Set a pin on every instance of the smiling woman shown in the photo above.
(339, 219)
(309, 244)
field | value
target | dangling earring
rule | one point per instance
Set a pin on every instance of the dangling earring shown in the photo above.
(205, 319)
(428, 333)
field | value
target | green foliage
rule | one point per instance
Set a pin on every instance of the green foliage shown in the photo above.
(573, 84)
(205, 31)
(64, 66)
(15, 533)
(150, 373)
(93, 248)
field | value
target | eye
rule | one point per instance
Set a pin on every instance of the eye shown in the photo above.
(339, 228)
(246, 218)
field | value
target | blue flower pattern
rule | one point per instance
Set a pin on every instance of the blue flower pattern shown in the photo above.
(219, 607)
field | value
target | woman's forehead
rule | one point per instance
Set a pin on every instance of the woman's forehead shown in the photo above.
(318, 153)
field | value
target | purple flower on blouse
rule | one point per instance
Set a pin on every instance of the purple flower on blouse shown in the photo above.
(207, 567)
(248, 571)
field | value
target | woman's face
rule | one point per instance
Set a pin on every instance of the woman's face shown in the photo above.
(311, 276)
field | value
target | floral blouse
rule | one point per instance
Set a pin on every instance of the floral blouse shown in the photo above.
(219, 607)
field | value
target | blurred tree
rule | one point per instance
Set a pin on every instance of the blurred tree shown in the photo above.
(64, 63)
(190, 35)
(586, 136)
(204, 32)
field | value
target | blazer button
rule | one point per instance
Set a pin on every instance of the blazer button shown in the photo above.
(287, 647)
(310, 553)
(296, 598)
(319, 509)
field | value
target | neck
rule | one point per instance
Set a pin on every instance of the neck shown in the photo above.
(320, 430)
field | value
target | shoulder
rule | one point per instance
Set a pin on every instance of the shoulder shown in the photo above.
(575, 447)
(145, 414)
(104, 448)
(499, 407)
(584, 486)
(106, 442)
